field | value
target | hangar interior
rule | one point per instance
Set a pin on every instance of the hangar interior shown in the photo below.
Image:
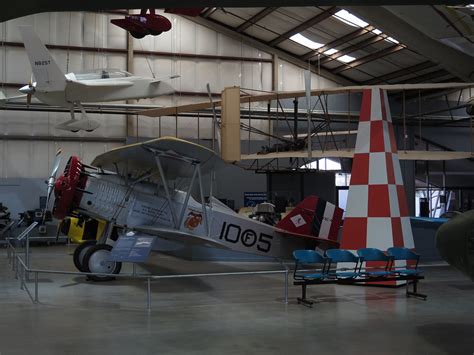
(259, 50)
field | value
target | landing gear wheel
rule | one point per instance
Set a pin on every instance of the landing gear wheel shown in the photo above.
(74, 130)
(96, 260)
(79, 254)
(156, 33)
(89, 130)
(137, 35)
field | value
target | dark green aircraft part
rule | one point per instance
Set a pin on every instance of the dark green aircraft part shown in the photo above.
(455, 242)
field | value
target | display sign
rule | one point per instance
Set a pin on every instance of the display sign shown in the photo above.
(251, 199)
(132, 248)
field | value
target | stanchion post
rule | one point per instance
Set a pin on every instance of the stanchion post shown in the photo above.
(148, 295)
(36, 287)
(286, 286)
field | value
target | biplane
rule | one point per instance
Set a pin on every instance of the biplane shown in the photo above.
(137, 189)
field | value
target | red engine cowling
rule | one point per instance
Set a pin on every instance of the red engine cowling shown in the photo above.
(68, 188)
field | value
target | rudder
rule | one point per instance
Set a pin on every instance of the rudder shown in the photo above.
(313, 216)
(45, 70)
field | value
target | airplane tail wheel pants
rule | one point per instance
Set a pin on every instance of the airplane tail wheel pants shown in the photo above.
(79, 254)
(97, 260)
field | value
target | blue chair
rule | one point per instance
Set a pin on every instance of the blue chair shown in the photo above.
(373, 254)
(309, 259)
(399, 253)
(343, 256)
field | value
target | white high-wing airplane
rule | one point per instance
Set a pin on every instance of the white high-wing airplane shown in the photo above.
(70, 90)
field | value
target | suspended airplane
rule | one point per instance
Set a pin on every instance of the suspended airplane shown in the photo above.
(70, 90)
(151, 23)
(130, 188)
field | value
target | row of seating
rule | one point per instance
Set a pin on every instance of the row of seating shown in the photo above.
(313, 268)
(384, 263)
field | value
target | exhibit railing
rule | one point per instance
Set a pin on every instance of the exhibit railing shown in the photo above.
(23, 271)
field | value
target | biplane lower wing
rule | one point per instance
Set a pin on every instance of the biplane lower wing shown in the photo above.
(180, 237)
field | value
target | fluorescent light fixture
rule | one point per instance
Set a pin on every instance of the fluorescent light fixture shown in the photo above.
(350, 19)
(393, 40)
(331, 51)
(377, 31)
(299, 38)
(345, 58)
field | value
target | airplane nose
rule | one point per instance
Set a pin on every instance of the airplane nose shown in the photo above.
(68, 188)
(27, 89)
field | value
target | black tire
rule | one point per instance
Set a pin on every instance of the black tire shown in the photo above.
(80, 252)
(156, 33)
(137, 35)
(94, 256)
(74, 130)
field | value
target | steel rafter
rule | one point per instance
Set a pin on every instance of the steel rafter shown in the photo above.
(254, 19)
(338, 41)
(369, 58)
(360, 45)
(400, 73)
(305, 25)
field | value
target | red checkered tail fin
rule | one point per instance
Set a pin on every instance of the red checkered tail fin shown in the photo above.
(315, 217)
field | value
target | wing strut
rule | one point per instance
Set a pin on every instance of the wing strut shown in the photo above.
(165, 186)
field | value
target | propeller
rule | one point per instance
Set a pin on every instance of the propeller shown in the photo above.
(29, 90)
(52, 179)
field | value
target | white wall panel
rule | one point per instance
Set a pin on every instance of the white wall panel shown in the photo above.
(17, 159)
(206, 41)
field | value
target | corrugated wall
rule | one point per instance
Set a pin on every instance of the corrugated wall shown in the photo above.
(27, 156)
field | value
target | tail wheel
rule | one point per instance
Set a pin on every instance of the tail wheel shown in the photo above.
(96, 260)
(79, 254)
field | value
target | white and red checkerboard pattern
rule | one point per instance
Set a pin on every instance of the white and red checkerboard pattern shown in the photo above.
(377, 212)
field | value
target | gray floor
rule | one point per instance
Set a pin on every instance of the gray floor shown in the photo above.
(235, 315)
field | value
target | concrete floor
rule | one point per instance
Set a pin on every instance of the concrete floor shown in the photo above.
(231, 315)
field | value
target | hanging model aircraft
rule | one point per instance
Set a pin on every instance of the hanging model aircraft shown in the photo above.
(151, 23)
(130, 188)
(70, 90)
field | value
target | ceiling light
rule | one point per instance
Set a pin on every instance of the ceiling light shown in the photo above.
(346, 59)
(331, 51)
(393, 40)
(377, 31)
(299, 38)
(350, 19)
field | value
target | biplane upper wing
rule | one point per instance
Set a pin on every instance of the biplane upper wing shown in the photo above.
(349, 153)
(173, 152)
(179, 236)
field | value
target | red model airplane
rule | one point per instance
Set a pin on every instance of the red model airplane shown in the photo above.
(145, 24)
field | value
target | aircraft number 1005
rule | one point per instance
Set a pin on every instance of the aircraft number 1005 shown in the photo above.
(233, 233)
